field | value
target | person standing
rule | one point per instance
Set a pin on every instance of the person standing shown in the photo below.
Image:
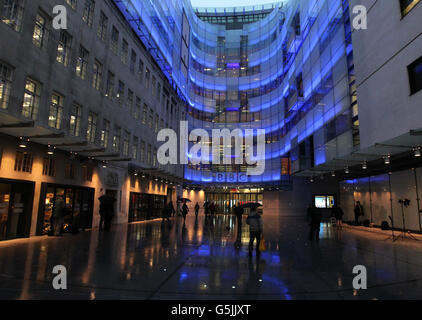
(338, 214)
(358, 212)
(255, 230)
(171, 209)
(185, 211)
(196, 210)
(59, 214)
(315, 216)
(238, 211)
(206, 208)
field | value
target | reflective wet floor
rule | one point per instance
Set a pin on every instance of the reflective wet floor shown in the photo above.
(206, 260)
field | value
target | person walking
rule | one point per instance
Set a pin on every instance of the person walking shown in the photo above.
(238, 211)
(185, 211)
(255, 230)
(196, 210)
(358, 212)
(166, 213)
(206, 208)
(315, 217)
(59, 214)
(171, 209)
(106, 211)
(338, 214)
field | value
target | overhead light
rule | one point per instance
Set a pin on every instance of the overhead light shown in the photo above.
(333, 174)
(50, 150)
(387, 159)
(104, 164)
(364, 165)
(346, 170)
(418, 152)
(136, 174)
(23, 142)
(312, 180)
(143, 176)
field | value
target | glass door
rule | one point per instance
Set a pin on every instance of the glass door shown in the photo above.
(5, 193)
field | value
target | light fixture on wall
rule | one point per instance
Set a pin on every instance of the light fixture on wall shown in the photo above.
(364, 165)
(135, 174)
(417, 152)
(387, 159)
(50, 150)
(104, 165)
(23, 142)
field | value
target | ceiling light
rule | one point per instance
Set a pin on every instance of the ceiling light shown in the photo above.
(364, 165)
(333, 174)
(50, 150)
(104, 164)
(387, 159)
(418, 152)
(346, 170)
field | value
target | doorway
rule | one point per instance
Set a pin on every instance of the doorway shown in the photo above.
(16, 200)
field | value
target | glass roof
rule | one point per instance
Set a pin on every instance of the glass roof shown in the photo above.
(232, 3)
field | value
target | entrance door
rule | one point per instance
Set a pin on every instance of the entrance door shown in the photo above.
(15, 210)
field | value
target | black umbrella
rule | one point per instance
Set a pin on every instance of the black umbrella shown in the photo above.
(252, 205)
(183, 200)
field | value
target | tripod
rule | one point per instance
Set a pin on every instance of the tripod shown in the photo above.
(404, 235)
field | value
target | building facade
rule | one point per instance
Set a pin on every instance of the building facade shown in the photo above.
(78, 112)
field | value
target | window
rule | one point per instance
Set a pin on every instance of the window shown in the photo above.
(102, 27)
(12, 13)
(5, 83)
(105, 134)
(415, 76)
(158, 92)
(124, 52)
(87, 173)
(49, 167)
(147, 76)
(151, 118)
(145, 114)
(115, 40)
(135, 148)
(75, 120)
(116, 139)
(92, 127)
(82, 63)
(407, 5)
(141, 71)
(88, 14)
(121, 93)
(157, 123)
(132, 62)
(126, 144)
(72, 3)
(56, 111)
(149, 154)
(137, 111)
(97, 77)
(154, 158)
(39, 38)
(130, 100)
(110, 85)
(23, 162)
(64, 47)
(142, 152)
(153, 86)
(31, 99)
(70, 170)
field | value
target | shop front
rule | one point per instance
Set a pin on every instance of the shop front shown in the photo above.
(145, 206)
(225, 201)
(79, 203)
(16, 198)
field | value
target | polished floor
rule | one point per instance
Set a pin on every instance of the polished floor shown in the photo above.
(150, 260)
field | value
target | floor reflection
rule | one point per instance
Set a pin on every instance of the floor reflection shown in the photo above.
(208, 259)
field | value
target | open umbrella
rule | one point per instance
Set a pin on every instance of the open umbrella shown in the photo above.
(183, 200)
(251, 205)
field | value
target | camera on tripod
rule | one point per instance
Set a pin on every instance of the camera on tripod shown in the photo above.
(405, 202)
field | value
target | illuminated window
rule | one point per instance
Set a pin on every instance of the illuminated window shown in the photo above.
(126, 138)
(75, 120)
(56, 111)
(82, 63)
(110, 85)
(5, 83)
(12, 13)
(23, 162)
(88, 14)
(31, 99)
(64, 47)
(92, 127)
(40, 35)
(105, 134)
(407, 5)
(116, 139)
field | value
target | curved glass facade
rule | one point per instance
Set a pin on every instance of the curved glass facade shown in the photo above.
(286, 68)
